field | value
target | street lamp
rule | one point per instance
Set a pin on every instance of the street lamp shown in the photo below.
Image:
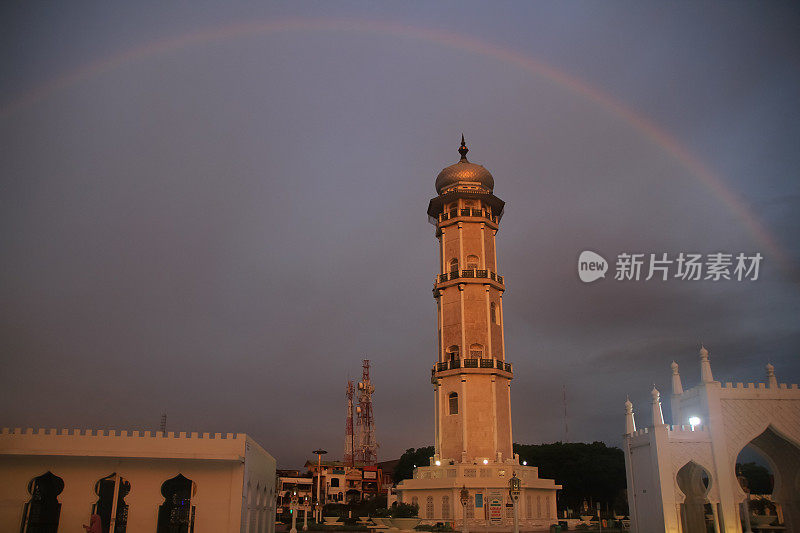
(293, 508)
(464, 502)
(318, 509)
(514, 490)
(305, 513)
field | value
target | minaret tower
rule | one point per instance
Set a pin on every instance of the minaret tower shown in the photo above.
(471, 377)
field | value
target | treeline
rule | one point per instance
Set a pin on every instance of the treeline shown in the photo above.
(592, 473)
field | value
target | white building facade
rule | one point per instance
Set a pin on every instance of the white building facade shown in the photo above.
(53, 480)
(675, 471)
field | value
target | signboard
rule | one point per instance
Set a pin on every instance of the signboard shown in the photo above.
(370, 474)
(495, 507)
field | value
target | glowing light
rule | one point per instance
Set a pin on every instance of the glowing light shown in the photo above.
(524, 463)
(438, 463)
(694, 421)
(486, 461)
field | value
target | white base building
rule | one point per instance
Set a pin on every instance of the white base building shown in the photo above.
(436, 490)
(54, 480)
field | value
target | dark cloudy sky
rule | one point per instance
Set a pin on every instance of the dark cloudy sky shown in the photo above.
(217, 210)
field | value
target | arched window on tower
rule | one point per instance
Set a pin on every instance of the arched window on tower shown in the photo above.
(473, 261)
(493, 313)
(454, 265)
(452, 353)
(476, 351)
(453, 403)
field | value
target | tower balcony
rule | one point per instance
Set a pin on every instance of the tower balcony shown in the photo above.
(468, 275)
(466, 212)
(438, 215)
(472, 366)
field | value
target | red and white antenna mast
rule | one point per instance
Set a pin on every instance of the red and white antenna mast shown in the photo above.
(367, 452)
(349, 436)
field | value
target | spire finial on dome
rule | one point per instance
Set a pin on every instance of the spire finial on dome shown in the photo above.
(463, 150)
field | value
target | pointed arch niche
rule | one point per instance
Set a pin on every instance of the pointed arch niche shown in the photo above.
(176, 514)
(43, 510)
(104, 506)
(694, 481)
(783, 496)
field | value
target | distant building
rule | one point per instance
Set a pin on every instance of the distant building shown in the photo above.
(142, 481)
(289, 482)
(387, 474)
(471, 376)
(341, 483)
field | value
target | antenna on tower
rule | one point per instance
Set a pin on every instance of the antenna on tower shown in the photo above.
(163, 425)
(349, 436)
(564, 399)
(367, 452)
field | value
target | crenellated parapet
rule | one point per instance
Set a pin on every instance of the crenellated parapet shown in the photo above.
(120, 433)
(791, 388)
(680, 433)
(124, 443)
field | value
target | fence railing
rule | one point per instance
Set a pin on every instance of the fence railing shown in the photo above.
(468, 212)
(472, 363)
(470, 273)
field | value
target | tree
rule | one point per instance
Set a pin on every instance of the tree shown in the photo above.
(411, 457)
(592, 472)
(759, 480)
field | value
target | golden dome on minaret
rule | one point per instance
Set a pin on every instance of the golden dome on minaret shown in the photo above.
(464, 172)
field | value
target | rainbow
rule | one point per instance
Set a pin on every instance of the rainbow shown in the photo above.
(650, 130)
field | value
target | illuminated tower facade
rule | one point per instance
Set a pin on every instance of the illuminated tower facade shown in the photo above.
(471, 377)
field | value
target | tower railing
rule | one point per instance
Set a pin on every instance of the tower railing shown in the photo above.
(482, 362)
(466, 212)
(470, 273)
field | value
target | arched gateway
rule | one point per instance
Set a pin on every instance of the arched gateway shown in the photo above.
(679, 474)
